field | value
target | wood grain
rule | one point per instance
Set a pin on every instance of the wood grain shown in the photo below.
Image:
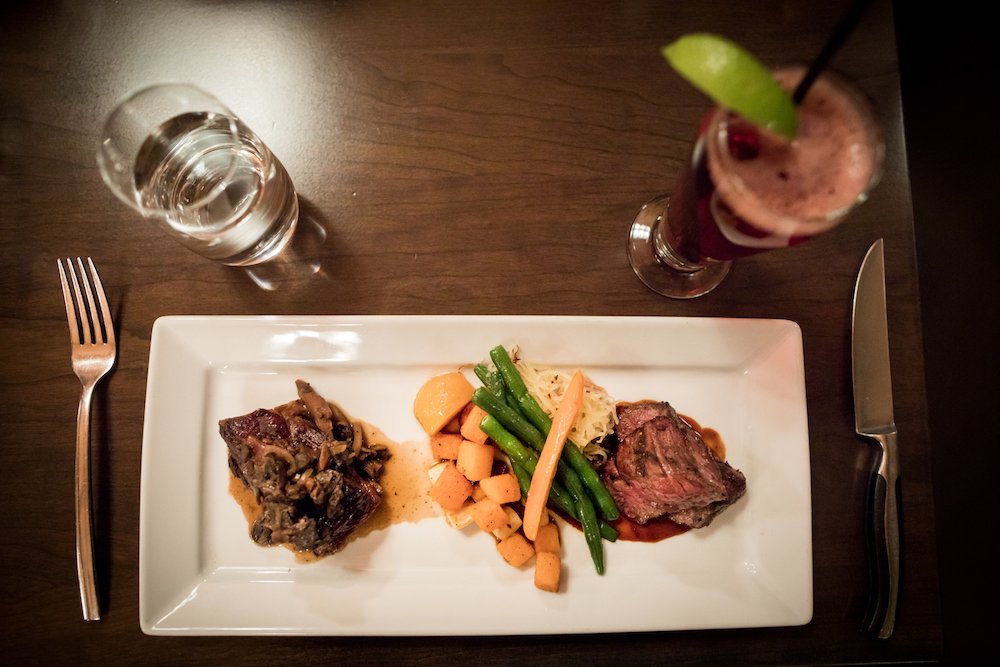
(452, 157)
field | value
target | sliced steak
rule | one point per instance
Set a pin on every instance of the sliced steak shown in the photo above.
(315, 483)
(663, 467)
(633, 415)
(698, 517)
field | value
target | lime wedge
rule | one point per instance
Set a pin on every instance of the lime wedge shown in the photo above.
(734, 79)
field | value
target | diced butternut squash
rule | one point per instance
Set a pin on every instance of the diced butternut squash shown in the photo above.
(509, 528)
(451, 488)
(516, 550)
(440, 400)
(478, 493)
(488, 515)
(470, 425)
(547, 570)
(475, 460)
(501, 488)
(547, 540)
(445, 445)
(454, 426)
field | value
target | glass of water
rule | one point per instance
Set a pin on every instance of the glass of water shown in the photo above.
(178, 156)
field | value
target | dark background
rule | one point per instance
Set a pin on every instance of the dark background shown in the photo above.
(948, 61)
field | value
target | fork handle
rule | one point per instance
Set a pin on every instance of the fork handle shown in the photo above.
(84, 524)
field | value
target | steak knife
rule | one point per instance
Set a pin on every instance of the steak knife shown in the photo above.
(873, 420)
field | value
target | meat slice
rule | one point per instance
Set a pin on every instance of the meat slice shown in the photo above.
(633, 415)
(663, 467)
(698, 517)
(361, 497)
(248, 436)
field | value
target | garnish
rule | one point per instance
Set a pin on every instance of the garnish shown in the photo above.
(734, 79)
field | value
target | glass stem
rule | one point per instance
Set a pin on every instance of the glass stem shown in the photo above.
(665, 252)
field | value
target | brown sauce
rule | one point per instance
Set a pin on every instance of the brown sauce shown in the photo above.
(405, 485)
(709, 435)
(404, 491)
(653, 530)
(244, 497)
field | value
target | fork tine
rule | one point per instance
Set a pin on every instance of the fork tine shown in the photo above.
(74, 327)
(109, 327)
(95, 323)
(80, 305)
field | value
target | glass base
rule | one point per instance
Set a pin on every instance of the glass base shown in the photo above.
(658, 267)
(274, 242)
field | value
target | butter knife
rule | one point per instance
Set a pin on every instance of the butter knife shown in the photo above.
(873, 420)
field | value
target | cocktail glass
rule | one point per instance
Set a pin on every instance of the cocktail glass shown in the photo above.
(746, 190)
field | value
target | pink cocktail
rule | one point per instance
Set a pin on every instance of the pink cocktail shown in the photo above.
(746, 190)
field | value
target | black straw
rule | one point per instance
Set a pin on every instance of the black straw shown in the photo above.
(844, 28)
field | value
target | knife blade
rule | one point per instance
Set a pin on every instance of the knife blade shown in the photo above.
(873, 420)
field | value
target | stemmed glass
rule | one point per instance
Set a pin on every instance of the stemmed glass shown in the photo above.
(746, 190)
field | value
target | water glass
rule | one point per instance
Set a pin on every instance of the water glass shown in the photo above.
(180, 157)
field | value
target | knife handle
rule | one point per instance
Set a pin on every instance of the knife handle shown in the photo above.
(882, 540)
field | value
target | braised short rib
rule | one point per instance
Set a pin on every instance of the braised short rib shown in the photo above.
(313, 473)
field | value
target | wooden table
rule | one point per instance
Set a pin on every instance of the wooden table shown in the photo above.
(463, 157)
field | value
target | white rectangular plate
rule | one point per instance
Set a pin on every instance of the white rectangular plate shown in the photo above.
(199, 573)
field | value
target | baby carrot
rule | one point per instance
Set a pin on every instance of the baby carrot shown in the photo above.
(548, 459)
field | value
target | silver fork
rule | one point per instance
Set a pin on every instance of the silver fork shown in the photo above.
(92, 338)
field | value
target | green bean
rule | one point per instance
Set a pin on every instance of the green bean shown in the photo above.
(608, 532)
(523, 460)
(520, 426)
(528, 406)
(523, 479)
(591, 532)
(509, 444)
(508, 371)
(526, 458)
(492, 380)
(585, 514)
(541, 421)
(592, 481)
(515, 422)
(510, 419)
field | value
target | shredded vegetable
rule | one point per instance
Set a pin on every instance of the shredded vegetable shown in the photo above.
(597, 414)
